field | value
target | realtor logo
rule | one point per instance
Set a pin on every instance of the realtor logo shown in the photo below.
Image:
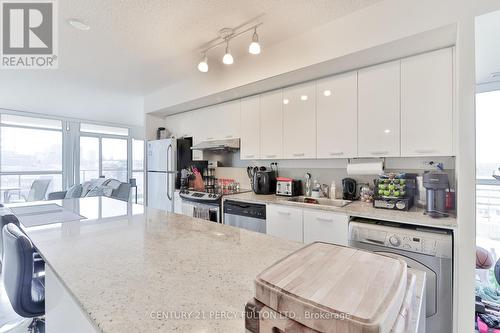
(28, 34)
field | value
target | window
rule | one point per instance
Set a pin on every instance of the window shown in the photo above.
(138, 167)
(487, 187)
(30, 149)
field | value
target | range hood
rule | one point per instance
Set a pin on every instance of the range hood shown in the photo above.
(218, 145)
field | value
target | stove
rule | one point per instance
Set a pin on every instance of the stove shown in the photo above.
(204, 204)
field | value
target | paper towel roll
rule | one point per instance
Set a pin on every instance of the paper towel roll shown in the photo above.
(367, 168)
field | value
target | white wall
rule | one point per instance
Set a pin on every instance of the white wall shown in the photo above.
(72, 101)
(381, 23)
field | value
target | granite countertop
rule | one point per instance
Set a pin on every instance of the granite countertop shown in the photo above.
(130, 267)
(414, 216)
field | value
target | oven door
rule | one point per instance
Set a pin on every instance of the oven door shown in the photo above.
(201, 211)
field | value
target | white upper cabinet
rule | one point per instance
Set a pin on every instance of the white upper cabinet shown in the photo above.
(379, 110)
(271, 125)
(227, 120)
(299, 121)
(427, 104)
(250, 128)
(337, 116)
(221, 121)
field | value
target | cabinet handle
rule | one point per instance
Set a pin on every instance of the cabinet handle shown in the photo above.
(270, 156)
(383, 152)
(249, 156)
(210, 138)
(324, 219)
(424, 151)
(229, 136)
(283, 213)
(298, 154)
(336, 153)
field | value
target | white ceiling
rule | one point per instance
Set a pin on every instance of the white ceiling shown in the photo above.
(488, 48)
(138, 46)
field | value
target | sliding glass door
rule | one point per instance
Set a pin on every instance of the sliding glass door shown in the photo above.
(103, 156)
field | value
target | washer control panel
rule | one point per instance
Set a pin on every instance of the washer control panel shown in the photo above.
(424, 241)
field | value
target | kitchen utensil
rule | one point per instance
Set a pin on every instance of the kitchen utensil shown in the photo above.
(349, 189)
(370, 290)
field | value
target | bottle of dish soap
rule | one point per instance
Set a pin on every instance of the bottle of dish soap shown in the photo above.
(333, 191)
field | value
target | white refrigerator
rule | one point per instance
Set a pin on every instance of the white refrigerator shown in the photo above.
(161, 169)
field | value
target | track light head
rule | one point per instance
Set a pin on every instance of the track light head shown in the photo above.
(254, 47)
(203, 65)
(228, 58)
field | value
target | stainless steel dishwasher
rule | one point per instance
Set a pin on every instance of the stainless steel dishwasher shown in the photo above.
(245, 215)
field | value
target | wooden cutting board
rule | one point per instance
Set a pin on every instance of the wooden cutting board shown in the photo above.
(332, 288)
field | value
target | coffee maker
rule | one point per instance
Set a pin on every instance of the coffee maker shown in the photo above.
(435, 184)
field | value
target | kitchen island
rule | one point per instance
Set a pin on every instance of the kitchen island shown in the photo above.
(129, 268)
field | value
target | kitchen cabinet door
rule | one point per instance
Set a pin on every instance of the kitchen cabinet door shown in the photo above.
(379, 110)
(337, 116)
(250, 128)
(226, 121)
(326, 227)
(284, 222)
(427, 104)
(299, 121)
(271, 125)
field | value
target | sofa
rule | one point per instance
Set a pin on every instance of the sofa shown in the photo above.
(96, 187)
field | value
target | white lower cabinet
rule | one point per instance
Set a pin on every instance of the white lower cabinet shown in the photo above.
(325, 227)
(307, 225)
(284, 222)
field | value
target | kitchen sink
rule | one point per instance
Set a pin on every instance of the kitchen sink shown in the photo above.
(320, 201)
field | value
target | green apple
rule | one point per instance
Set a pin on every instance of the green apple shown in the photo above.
(392, 187)
(381, 192)
(382, 186)
(396, 193)
(387, 193)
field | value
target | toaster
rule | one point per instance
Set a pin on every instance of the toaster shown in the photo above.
(288, 187)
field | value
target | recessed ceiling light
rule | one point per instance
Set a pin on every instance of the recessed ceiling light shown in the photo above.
(327, 93)
(78, 24)
(387, 131)
(303, 97)
(286, 101)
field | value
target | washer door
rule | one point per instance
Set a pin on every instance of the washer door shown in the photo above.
(431, 280)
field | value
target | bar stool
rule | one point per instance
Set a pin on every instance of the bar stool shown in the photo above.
(23, 281)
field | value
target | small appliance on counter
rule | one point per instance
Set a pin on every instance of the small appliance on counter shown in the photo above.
(264, 181)
(436, 184)
(394, 192)
(349, 189)
(288, 186)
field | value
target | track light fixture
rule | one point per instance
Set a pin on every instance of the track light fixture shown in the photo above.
(254, 47)
(225, 36)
